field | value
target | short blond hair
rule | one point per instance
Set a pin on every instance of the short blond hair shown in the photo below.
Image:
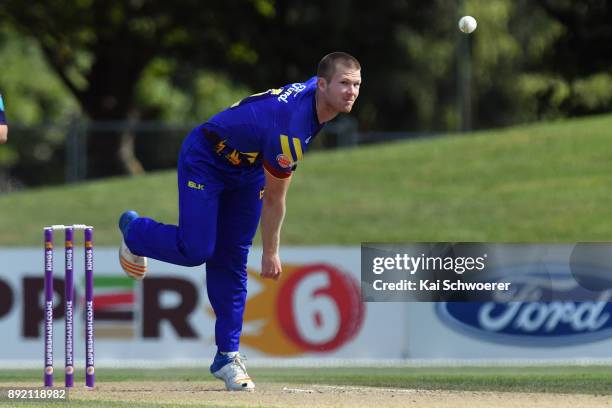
(327, 66)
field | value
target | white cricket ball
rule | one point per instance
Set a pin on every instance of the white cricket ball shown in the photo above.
(467, 24)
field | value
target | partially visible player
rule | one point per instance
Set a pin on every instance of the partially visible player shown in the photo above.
(3, 125)
(223, 168)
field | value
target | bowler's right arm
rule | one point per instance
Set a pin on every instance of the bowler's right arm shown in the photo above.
(272, 215)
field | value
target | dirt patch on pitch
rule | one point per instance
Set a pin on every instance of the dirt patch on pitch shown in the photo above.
(314, 396)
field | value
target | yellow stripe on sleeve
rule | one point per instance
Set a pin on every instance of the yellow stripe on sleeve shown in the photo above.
(297, 145)
(285, 146)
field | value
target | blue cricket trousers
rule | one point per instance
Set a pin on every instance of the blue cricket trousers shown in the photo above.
(219, 210)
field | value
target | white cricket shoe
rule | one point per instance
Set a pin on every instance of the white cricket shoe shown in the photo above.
(232, 372)
(133, 265)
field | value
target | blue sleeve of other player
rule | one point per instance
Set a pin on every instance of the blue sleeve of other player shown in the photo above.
(281, 154)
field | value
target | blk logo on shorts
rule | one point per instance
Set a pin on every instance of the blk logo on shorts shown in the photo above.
(194, 185)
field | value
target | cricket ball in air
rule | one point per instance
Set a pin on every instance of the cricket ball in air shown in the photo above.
(467, 24)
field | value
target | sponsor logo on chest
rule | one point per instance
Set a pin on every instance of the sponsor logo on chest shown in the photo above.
(294, 90)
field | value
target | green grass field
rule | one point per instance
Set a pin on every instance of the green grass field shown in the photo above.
(537, 183)
(595, 381)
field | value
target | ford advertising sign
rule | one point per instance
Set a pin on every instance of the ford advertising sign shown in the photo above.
(544, 309)
(530, 323)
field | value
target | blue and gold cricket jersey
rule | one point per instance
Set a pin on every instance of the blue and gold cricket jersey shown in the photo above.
(2, 117)
(221, 186)
(271, 128)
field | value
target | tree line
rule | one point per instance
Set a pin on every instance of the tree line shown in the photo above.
(112, 60)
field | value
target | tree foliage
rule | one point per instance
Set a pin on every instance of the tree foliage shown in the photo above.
(581, 54)
(100, 49)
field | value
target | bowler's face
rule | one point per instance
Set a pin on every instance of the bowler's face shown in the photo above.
(342, 90)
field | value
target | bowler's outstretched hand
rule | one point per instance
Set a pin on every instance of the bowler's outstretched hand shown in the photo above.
(271, 266)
